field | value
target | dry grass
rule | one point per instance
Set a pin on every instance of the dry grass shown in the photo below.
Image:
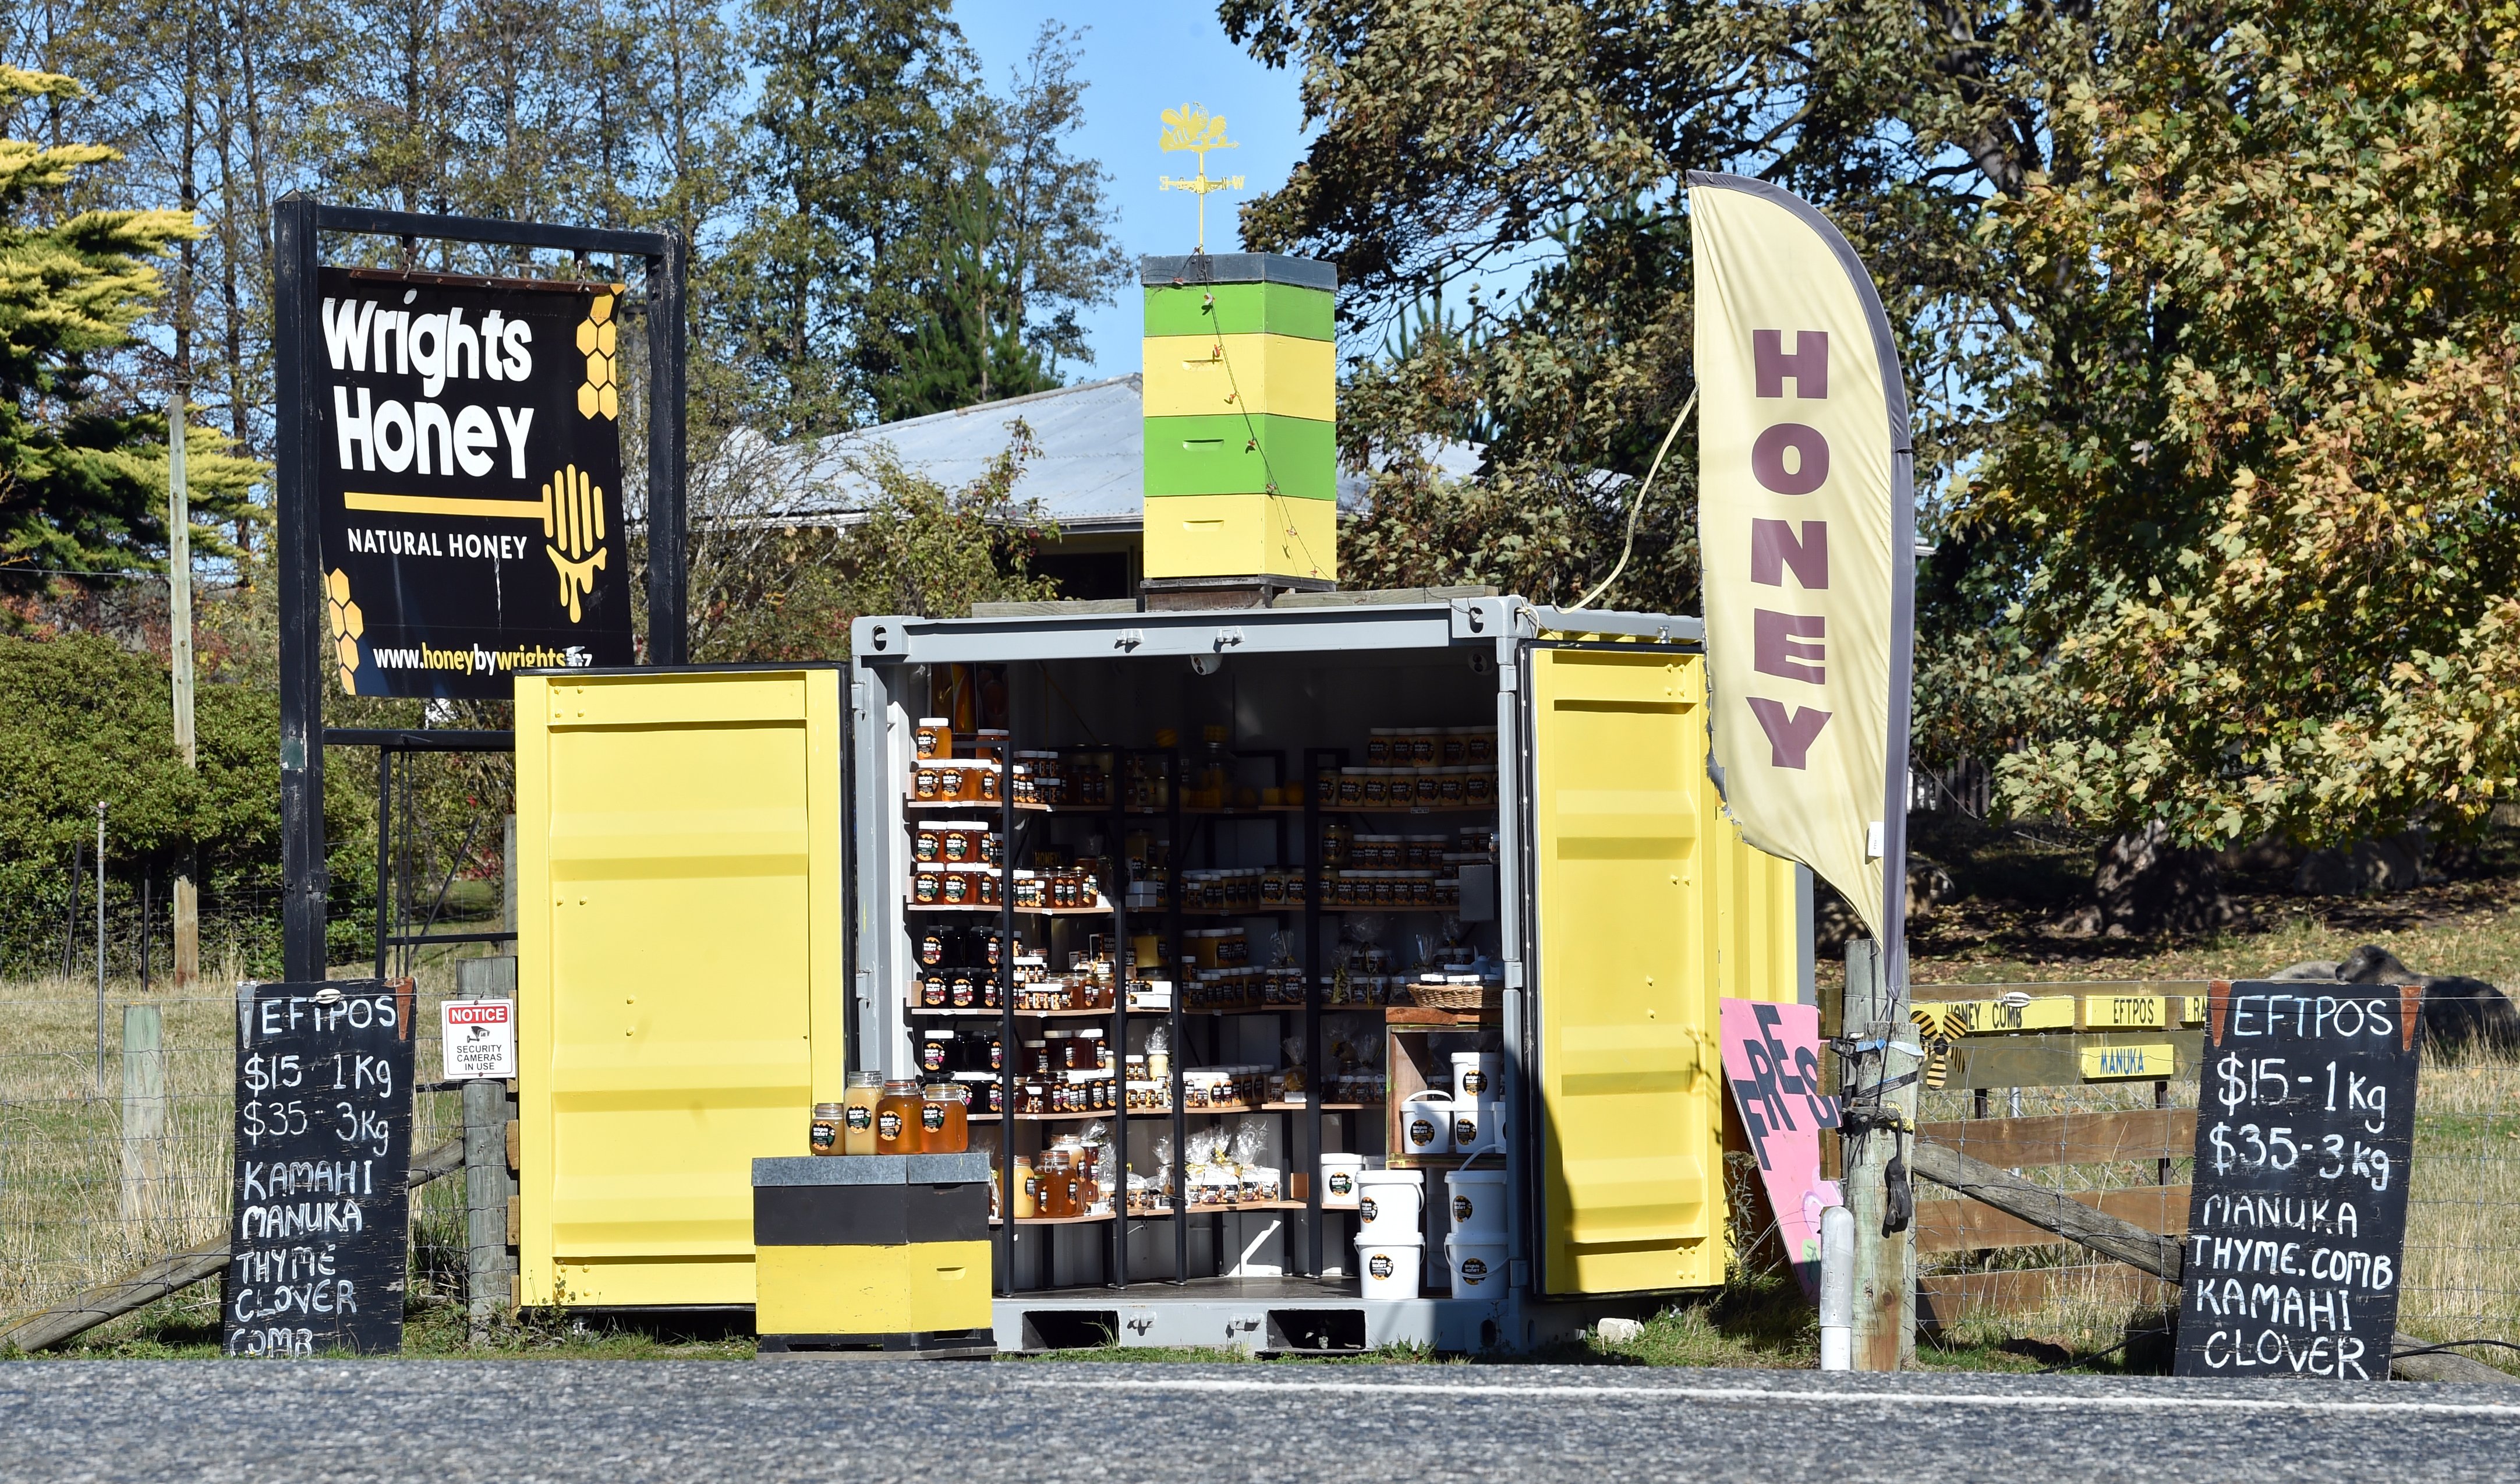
(66, 1219)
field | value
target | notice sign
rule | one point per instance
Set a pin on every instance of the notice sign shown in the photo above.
(323, 1162)
(1771, 1058)
(479, 1039)
(2297, 1228)
(469, 481)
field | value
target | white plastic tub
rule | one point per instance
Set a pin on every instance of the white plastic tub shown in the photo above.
(1390, 1206)
(1478, 1128)
(1475, 1076)
(1339, 1181)
(1478, 1267)
(1476, 1201)
(1426, 1123)
(1388, 1267)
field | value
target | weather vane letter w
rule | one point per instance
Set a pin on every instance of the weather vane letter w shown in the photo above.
(1190, 127)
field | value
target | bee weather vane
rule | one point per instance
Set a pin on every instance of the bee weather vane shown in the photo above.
(1190, 127)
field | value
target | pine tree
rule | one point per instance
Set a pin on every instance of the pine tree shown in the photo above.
(83, 481)
(970, 345)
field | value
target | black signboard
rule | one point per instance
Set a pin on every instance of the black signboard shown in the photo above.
(2297, 1227)
(315, 1255)
(469, 486)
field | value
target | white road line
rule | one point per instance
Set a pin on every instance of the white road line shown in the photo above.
(2110, 1403)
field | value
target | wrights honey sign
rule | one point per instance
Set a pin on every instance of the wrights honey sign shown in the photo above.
(1807, 526)
(469, 484)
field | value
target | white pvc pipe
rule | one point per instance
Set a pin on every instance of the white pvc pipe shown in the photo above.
(1837, 1290)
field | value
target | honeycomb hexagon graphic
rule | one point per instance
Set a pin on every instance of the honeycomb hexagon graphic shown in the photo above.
(597, 339)
(347, 626)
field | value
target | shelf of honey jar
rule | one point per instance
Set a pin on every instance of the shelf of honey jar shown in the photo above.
(1404, 768)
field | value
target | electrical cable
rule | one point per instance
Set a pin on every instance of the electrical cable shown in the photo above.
(1637, 508)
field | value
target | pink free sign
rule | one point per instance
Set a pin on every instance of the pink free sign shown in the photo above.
(1771, 1058)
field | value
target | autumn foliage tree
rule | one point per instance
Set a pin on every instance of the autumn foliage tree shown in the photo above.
(2245, 537)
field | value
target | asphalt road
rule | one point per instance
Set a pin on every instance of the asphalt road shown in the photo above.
(621, 1422)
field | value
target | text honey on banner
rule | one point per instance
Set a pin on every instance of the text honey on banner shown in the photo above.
(470, 484)
(1807, 532)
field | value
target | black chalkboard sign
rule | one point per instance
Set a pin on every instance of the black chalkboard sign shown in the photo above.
(315, 1255)
(2297, 1227)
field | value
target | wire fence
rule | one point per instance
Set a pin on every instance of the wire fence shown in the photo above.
(107, 1164)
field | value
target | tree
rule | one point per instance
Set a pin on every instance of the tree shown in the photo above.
(969, 345)
(82, 479)
(2245, 542)
(765, 589)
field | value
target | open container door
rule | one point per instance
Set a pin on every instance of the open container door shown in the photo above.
(1629, 1078)
(679, 969)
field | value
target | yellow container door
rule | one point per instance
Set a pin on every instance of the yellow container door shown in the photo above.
(1629, 1073)
(679, 970)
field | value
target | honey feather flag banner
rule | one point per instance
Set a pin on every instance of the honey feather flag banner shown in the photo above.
(1807, 526)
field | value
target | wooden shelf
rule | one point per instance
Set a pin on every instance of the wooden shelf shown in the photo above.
(1021, 1015)
(979, 807)
(992, 909)
(1419, 1017)
(1065, 1117)
(1327, 1108)
(1052, 1221)
(1225, 1210)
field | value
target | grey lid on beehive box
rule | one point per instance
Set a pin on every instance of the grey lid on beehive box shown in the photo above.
(1237, 268)
(871, 1169)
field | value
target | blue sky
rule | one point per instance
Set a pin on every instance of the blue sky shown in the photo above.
(1139, 59)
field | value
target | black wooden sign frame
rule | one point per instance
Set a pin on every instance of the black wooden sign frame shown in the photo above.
(2297, 1221)
(305, 652)
(320, 1216)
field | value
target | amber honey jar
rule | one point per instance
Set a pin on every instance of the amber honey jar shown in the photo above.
(896, 1118)
(944, 1120)
(934, 737)
(1027, 1190)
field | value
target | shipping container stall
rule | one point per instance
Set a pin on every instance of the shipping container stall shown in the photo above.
(1234, 924)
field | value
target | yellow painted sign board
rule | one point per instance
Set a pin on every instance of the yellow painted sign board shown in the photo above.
(2124, 1013)
(2153, 1059)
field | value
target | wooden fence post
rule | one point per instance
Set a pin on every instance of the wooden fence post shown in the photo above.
(1885, 1261)
(489, 1287)
(144, 1113)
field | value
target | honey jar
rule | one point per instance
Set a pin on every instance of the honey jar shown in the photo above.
(927, 845)
(925, 783)
(944, 1121)
(857, 1112)
(896, 1118)
(1027, 1190)
(935, 737)
(933, 992)
(825, 1135)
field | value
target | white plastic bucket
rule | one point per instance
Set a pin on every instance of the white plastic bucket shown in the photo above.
(1389, 1268)
(1426, 1123)
(1475, 1076)
(1478, 1267)
(1478, 1128)
(1476, 1199)
(1339, 1186)
(1389, 1206)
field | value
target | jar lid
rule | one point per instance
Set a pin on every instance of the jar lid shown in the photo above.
(865, 1079)
(827, 1109)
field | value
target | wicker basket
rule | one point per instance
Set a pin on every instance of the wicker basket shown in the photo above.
(1458, 995)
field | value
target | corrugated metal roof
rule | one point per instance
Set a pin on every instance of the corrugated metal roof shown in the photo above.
(1089, 473)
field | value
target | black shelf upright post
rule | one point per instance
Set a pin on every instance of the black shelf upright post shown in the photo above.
(1314, 1080)
(1117, 1167)
(1010, 1050)
(1170, 951)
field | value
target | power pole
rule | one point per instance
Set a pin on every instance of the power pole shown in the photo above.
(179, 628)
(100, 948)
(1880, 1101)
